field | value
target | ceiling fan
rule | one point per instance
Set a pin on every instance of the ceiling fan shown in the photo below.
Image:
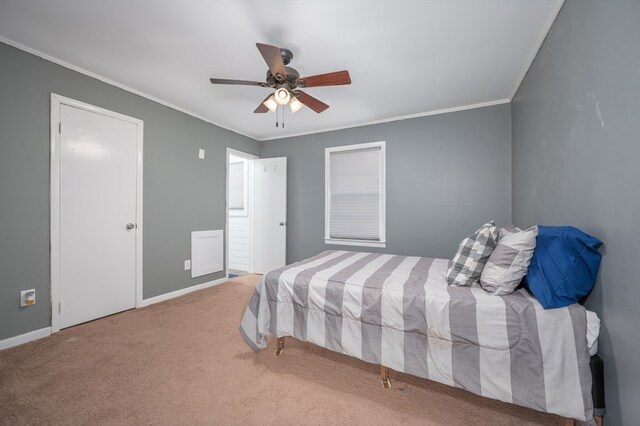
(287, 82)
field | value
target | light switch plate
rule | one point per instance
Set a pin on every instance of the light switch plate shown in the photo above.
(201, 154)
(187, 265)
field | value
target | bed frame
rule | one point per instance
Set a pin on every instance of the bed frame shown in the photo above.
(597, 390)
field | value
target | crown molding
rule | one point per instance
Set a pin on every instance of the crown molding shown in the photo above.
(536, 47)
(106, 80)
(398, 118)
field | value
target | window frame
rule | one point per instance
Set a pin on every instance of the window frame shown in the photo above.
(245, 174)
(383, 197)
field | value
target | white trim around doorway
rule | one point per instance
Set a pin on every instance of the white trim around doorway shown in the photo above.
(250, 157)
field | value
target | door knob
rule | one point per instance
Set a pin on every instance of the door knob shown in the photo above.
(130, 226)
(283, 223)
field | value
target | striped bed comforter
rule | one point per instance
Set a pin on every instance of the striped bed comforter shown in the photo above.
(398, 311)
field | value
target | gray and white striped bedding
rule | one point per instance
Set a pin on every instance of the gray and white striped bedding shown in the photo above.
(398, 311)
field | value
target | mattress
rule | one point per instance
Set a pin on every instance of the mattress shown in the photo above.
(398, 311)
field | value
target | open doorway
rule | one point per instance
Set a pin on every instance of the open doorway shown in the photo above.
(239, 212)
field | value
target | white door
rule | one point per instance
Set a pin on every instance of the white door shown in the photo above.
(270, 214)
(97, 245)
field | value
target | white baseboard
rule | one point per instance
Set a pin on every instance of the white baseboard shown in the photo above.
(25, 338)
(183, 291)
(44, 332)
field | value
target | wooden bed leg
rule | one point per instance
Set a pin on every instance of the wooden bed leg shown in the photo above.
(384, 373)
(571, 422)
(280, 347)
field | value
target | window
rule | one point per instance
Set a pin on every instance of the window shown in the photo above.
(237, 186)
(355, 195)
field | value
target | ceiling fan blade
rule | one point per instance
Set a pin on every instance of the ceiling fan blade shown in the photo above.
(330, 79)
(273, 58)
(262, 107)
(313, 103)
(237, 82)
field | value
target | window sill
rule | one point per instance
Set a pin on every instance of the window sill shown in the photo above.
(361, 243)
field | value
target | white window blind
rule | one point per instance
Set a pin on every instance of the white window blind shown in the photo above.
(237, 183)
(355, 193)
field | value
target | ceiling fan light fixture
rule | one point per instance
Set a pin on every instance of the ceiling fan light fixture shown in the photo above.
(271, 103)
(282, 96)
(295, 104)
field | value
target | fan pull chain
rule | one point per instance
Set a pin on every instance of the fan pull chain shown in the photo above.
(278, 116)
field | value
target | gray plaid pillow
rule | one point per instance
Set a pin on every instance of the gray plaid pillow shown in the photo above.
(466, 266)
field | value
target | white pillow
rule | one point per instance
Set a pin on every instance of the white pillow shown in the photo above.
(509, 262)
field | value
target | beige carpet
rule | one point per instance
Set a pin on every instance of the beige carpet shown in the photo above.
(182, 362)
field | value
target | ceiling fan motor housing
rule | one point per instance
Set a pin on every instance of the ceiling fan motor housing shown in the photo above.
(287, 55)
(292, 76)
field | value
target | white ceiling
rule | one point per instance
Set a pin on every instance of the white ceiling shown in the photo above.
(405, 57)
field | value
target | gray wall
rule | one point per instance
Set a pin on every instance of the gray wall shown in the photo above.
(181, 193)
(576, 127)
(446, 175)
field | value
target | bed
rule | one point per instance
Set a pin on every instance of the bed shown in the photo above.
(399, 312)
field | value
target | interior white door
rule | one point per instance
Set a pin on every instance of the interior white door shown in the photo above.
(98, 160)
(270, 214)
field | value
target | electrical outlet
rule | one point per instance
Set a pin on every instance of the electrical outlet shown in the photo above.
(27, 297)
(187, 265)
(201, 154)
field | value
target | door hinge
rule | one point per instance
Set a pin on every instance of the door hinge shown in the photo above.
(60, 127)
(59, 308)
